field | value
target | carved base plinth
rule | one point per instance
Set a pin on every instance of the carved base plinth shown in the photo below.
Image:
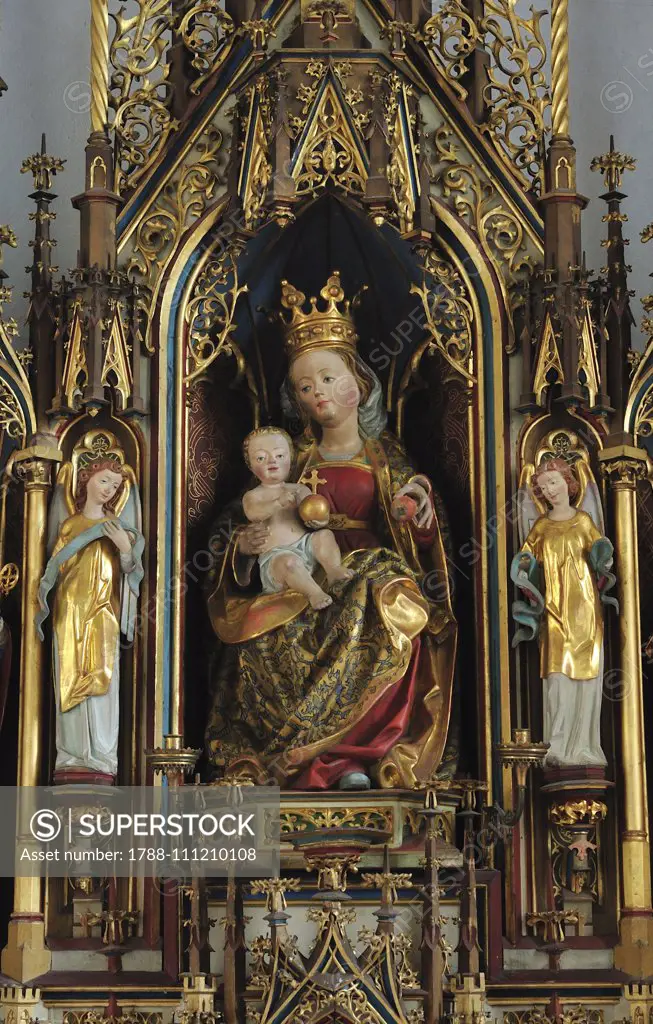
(25, 956)
(578, 775)
(634, 952)
(74, 776)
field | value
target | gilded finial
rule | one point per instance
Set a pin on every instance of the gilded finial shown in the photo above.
(43, 167)
(612, 165)
(330, 327)
(274, 890)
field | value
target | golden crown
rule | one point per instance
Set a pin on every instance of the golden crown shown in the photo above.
(332, 327)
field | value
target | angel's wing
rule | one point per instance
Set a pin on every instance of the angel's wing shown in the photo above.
(62, 505)
(130, 513)
(529, 509)
(590, 497)
(130, 506)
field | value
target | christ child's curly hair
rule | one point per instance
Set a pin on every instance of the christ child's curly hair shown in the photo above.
(260, 432)
(89, 471)
(566, 472)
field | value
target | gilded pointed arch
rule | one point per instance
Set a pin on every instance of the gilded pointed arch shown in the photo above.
(548, 369)
(116, 371)
(402, 170)
(330, 148)
(75, 373)
(588, 366)
(256, 169)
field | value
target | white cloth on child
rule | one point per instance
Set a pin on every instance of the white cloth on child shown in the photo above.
(302, 548)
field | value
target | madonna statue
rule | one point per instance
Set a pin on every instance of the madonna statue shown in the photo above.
(360, 691)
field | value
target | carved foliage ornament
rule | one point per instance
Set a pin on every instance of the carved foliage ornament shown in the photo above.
(350, 986)
(448, 314)
(140, 92)
(307, 91)
(204, 29)
(12, 420)
(476, 201)
(255, 182)
(302, 819)
(516, 94)
(132, 1016)
(572, 1015)
(183, 200)
(451, 35)
(644, 417)
(210, 316)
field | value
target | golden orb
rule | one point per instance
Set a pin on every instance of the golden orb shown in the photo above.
(314, 508)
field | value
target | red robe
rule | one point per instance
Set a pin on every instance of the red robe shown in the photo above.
(351, 491)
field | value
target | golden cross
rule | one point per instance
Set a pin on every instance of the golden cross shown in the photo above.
(312, 480)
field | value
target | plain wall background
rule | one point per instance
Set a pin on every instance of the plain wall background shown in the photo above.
(44, 59)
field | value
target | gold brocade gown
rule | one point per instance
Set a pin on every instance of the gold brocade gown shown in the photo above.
(572, 627)
(86, 616)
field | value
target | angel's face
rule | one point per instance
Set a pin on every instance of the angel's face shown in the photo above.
(554, 487)
(102, 487)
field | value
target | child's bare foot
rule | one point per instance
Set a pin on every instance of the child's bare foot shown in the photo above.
(320, 600)
(336, 575)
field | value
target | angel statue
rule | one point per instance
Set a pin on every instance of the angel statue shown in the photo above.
(564, 571)
(357, 692)
(95, 569)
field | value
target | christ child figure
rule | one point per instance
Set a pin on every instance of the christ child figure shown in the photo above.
(291, 553)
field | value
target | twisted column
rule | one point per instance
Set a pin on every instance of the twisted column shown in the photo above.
(99, 65)
(560, 67)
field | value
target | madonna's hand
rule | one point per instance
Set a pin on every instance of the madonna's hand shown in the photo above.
(253, 539)
(424, 516)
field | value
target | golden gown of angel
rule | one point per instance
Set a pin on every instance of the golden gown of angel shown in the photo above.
(95, 571)
(361, 690)
(572, 637)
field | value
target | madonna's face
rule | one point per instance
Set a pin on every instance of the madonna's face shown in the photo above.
(326, 389)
